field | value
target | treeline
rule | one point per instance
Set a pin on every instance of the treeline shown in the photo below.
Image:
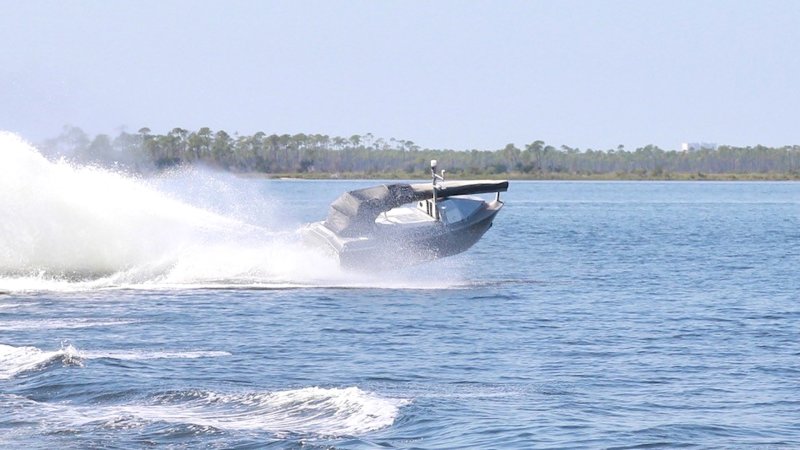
(368, 156)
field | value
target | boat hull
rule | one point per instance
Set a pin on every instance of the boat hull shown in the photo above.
(392, 247)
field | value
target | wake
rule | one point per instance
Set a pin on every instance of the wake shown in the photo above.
(71, 228)
(312, 412)
(16, 360)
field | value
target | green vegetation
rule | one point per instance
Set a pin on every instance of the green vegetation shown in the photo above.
(322, 156)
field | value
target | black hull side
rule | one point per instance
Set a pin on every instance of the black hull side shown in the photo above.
(397, 249)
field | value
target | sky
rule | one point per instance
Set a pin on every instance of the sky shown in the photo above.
(455, 74)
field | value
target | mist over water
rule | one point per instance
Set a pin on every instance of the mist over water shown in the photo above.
(67, 227)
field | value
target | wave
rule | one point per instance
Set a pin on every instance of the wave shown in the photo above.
(139, 355)
(307, 412)
(15, 360)
(10, 305)
(311, 411)
(72, 228)
(57, 324)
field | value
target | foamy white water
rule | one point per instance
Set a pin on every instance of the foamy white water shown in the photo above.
(57, 218)
(72, 228)
(312, 411)
(66, 227)
(15, 360)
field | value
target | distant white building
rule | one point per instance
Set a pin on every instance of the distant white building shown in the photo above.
(695, 146)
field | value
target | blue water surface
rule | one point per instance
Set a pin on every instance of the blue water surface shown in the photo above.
(592, 315)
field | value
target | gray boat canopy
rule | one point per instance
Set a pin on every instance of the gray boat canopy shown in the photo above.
(354, 213)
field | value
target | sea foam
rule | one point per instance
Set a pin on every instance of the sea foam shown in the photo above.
(15, 360)
(312, 412)
(65, 227)
(68, 227)
(308, 411)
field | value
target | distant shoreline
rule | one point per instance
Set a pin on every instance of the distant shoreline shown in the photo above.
(530, 177)
(318, 156)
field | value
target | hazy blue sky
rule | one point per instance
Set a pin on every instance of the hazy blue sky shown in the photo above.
(444, 74)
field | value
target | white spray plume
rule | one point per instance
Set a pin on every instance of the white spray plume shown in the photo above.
(68, 227)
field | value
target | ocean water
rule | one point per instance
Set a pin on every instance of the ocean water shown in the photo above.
(184, 311)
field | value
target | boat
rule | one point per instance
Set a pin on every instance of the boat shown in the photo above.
(394, 225)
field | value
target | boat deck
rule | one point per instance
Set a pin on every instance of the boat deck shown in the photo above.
(407, 216)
